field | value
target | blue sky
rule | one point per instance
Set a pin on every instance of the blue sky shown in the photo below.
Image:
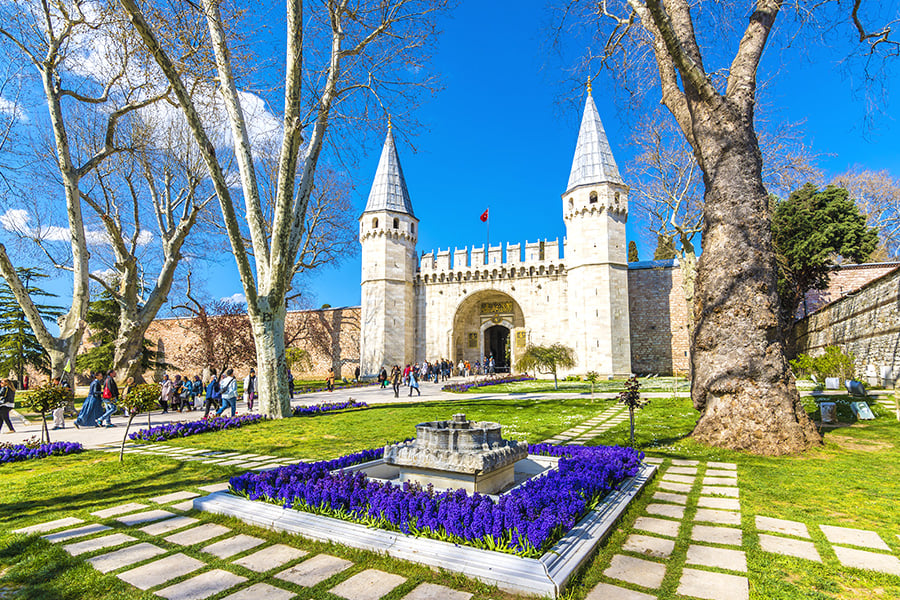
(501, 134)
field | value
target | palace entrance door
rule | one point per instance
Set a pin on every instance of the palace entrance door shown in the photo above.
(496, 344)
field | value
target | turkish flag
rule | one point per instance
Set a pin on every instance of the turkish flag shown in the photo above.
(484, 215)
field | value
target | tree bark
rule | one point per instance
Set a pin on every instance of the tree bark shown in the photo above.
(271, 366)
(741, 380)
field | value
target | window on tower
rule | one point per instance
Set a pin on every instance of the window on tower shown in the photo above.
(375, 223)
(396, 223)
(593, 197)
(412, 227)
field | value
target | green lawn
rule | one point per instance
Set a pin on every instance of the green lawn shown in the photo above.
(853, 480)
(541, 386)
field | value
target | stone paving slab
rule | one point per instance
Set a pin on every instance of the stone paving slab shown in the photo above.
(371, 584)
(125, 557)
(721, 465)
(854, 537)
(674, 487)
(794, 528)
(653, 460)
(183, 506)
(202, 586)
(161, 527)
(233, 545)
(682, 470)
(678, 478)
(667, 497)
(216, 487)
(195, 535)
(233, 461)
(261, 591)
(636, 570)
(720, 473)
(270, 558)
(679, 462)
(720, 481)
(69, 534)
(707, 556)
(50, 525)
(314, 570)
(658, 526)
(713, 586)
(144, 517)
(720, 517)
(871, 561)
(717, 535)
(666, 510)
(789, 547)
(98, 543)
(653, 547)
(160, 571)
(721, 503)
(606, 591)
(174, 497)
(432, 591)
(716, 490)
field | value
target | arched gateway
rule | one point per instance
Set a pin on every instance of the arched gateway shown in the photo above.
(489, 323)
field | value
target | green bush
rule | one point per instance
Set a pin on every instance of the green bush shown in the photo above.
(833, 363)
(47, 398)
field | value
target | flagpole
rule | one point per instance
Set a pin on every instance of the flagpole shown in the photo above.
(488, 249)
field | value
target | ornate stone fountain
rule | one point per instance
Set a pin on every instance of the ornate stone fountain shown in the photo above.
(470, 455)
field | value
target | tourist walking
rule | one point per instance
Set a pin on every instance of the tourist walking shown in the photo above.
(166, 395)
(291, 385)
(110, 395)
(356, 374)
(213, 393)
(329, 382)
(228, 386)
(7, 403)
(91, 410)
(196, 391)
(383, 377)
(414, 382)
(395, 380)
(250, 389)
(59, 413)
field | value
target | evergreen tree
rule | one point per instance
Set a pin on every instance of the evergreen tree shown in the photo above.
(18, 345)
(103, 325)
(809, 230)
(665, 247)
(632, 252)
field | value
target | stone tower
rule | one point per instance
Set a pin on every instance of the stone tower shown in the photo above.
(388, 230)
(595, 209)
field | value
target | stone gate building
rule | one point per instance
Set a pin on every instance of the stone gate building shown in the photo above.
(482, 302)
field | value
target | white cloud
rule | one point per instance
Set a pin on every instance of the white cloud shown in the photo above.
(13, 109)
(237, 298)
(107, 275)
(17, 220)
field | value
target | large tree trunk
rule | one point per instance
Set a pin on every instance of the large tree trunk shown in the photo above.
(271, 366)
(127, 355)
(741, 380)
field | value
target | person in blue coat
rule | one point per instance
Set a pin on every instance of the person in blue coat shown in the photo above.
(92, 408)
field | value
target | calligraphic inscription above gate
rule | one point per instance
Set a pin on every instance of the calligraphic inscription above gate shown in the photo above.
(488, 308)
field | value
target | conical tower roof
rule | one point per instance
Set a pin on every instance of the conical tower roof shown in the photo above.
(593, 162)
(389, 186)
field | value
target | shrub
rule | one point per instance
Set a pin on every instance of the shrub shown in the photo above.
(47, 398)
(140, 398)
(833, 363)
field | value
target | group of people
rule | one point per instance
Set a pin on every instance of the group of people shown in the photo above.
(101, 403)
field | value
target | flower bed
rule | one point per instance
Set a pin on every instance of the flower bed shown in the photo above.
(318, 409)
(526, 521)
(186, 428)
(462, 387)
(18, 452)
(338, 386)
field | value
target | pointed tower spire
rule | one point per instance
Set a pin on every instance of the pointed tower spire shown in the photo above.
(389, 186)
(593, 162)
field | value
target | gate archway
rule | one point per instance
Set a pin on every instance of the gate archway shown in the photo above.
(489, 323)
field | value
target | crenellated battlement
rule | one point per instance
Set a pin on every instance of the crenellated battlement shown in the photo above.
(540, 257)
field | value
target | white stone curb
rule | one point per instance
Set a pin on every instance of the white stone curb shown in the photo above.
(546, 576)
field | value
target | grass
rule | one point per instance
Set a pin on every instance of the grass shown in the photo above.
(543, 386)
(853, 480)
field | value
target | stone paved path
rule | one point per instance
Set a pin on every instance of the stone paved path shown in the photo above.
(591, 428)
(235, 460)
(155, 549)
(714, 562)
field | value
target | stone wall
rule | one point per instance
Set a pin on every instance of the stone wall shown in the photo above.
(843, 281)
(866, 323)
(659, 333)
(331, 336)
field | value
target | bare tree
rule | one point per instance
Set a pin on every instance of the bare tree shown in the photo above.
(670, 193)
(76, 83)
(741, 381)
(337, 63)
(877, 194)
